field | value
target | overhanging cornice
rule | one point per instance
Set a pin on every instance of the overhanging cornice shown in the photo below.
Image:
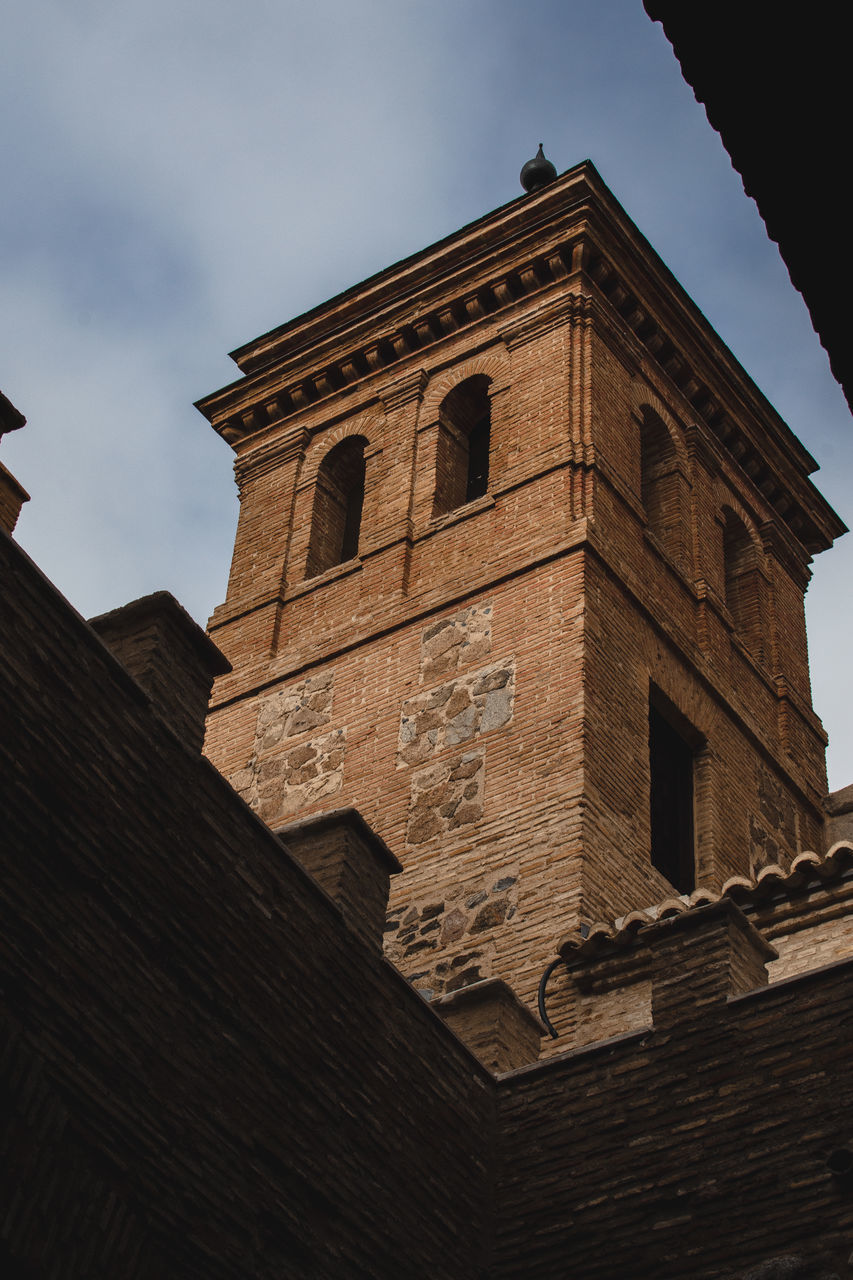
(574, 230)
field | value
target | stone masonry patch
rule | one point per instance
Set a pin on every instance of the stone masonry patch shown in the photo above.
(301, 708)
(446, 796)
(456, 712)
(456, 642)
(279, 785)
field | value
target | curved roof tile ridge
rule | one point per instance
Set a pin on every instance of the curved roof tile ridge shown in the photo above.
(703, 896)
(737, 887)
(839, 856)
(805, 868)
(771, 871)
(634, 921)
(806, 858)
(670, 907)
(770, 879)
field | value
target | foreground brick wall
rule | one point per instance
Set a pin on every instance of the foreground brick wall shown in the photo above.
(231, 1080)
(207, 1074)
(697, 1150)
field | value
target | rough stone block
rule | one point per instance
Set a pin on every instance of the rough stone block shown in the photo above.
(446, 796)
(456, 712)
(280, 784)
(296, 709)
(454, 642)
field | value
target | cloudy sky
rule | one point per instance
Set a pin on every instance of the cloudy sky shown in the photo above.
(180, 176)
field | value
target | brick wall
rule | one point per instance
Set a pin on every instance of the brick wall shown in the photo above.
(233, 1081)
(699, 1149)
(599, 552)
(207, 1073)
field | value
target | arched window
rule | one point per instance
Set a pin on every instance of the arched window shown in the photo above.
(743, 583)
(338, 500)
(462, 452)
(661, 484)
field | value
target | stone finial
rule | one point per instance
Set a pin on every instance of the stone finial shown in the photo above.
(11, 419)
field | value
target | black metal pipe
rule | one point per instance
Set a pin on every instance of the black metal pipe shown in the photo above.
(548, 1024)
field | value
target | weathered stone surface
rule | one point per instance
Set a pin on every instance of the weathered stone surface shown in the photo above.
(489, 916)
(444, 799)
(297, 709)
(279, 785)
(280, 779)
(453, 926)
(457, 641)
(443, 934)
(456, 712)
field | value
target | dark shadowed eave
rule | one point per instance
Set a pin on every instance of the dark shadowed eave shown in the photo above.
(775, 87)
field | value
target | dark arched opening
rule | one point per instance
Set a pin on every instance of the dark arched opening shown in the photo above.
(338, 502)
(660, 483)
(462, 451)
(743, 582)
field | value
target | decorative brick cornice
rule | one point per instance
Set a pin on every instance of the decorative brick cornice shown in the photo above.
(271, 452)
(403, 390)
(553, 314)
(787, 550)
(752, 447)
(469, 308)
(573, 230)
(610, 328)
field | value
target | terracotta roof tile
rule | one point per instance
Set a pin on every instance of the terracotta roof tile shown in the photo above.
(771, 881)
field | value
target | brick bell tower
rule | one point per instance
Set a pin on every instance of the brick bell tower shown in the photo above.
(519, 573)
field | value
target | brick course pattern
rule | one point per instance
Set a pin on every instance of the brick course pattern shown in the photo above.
(207, 1072)
(646, 510)
(199, 1054)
